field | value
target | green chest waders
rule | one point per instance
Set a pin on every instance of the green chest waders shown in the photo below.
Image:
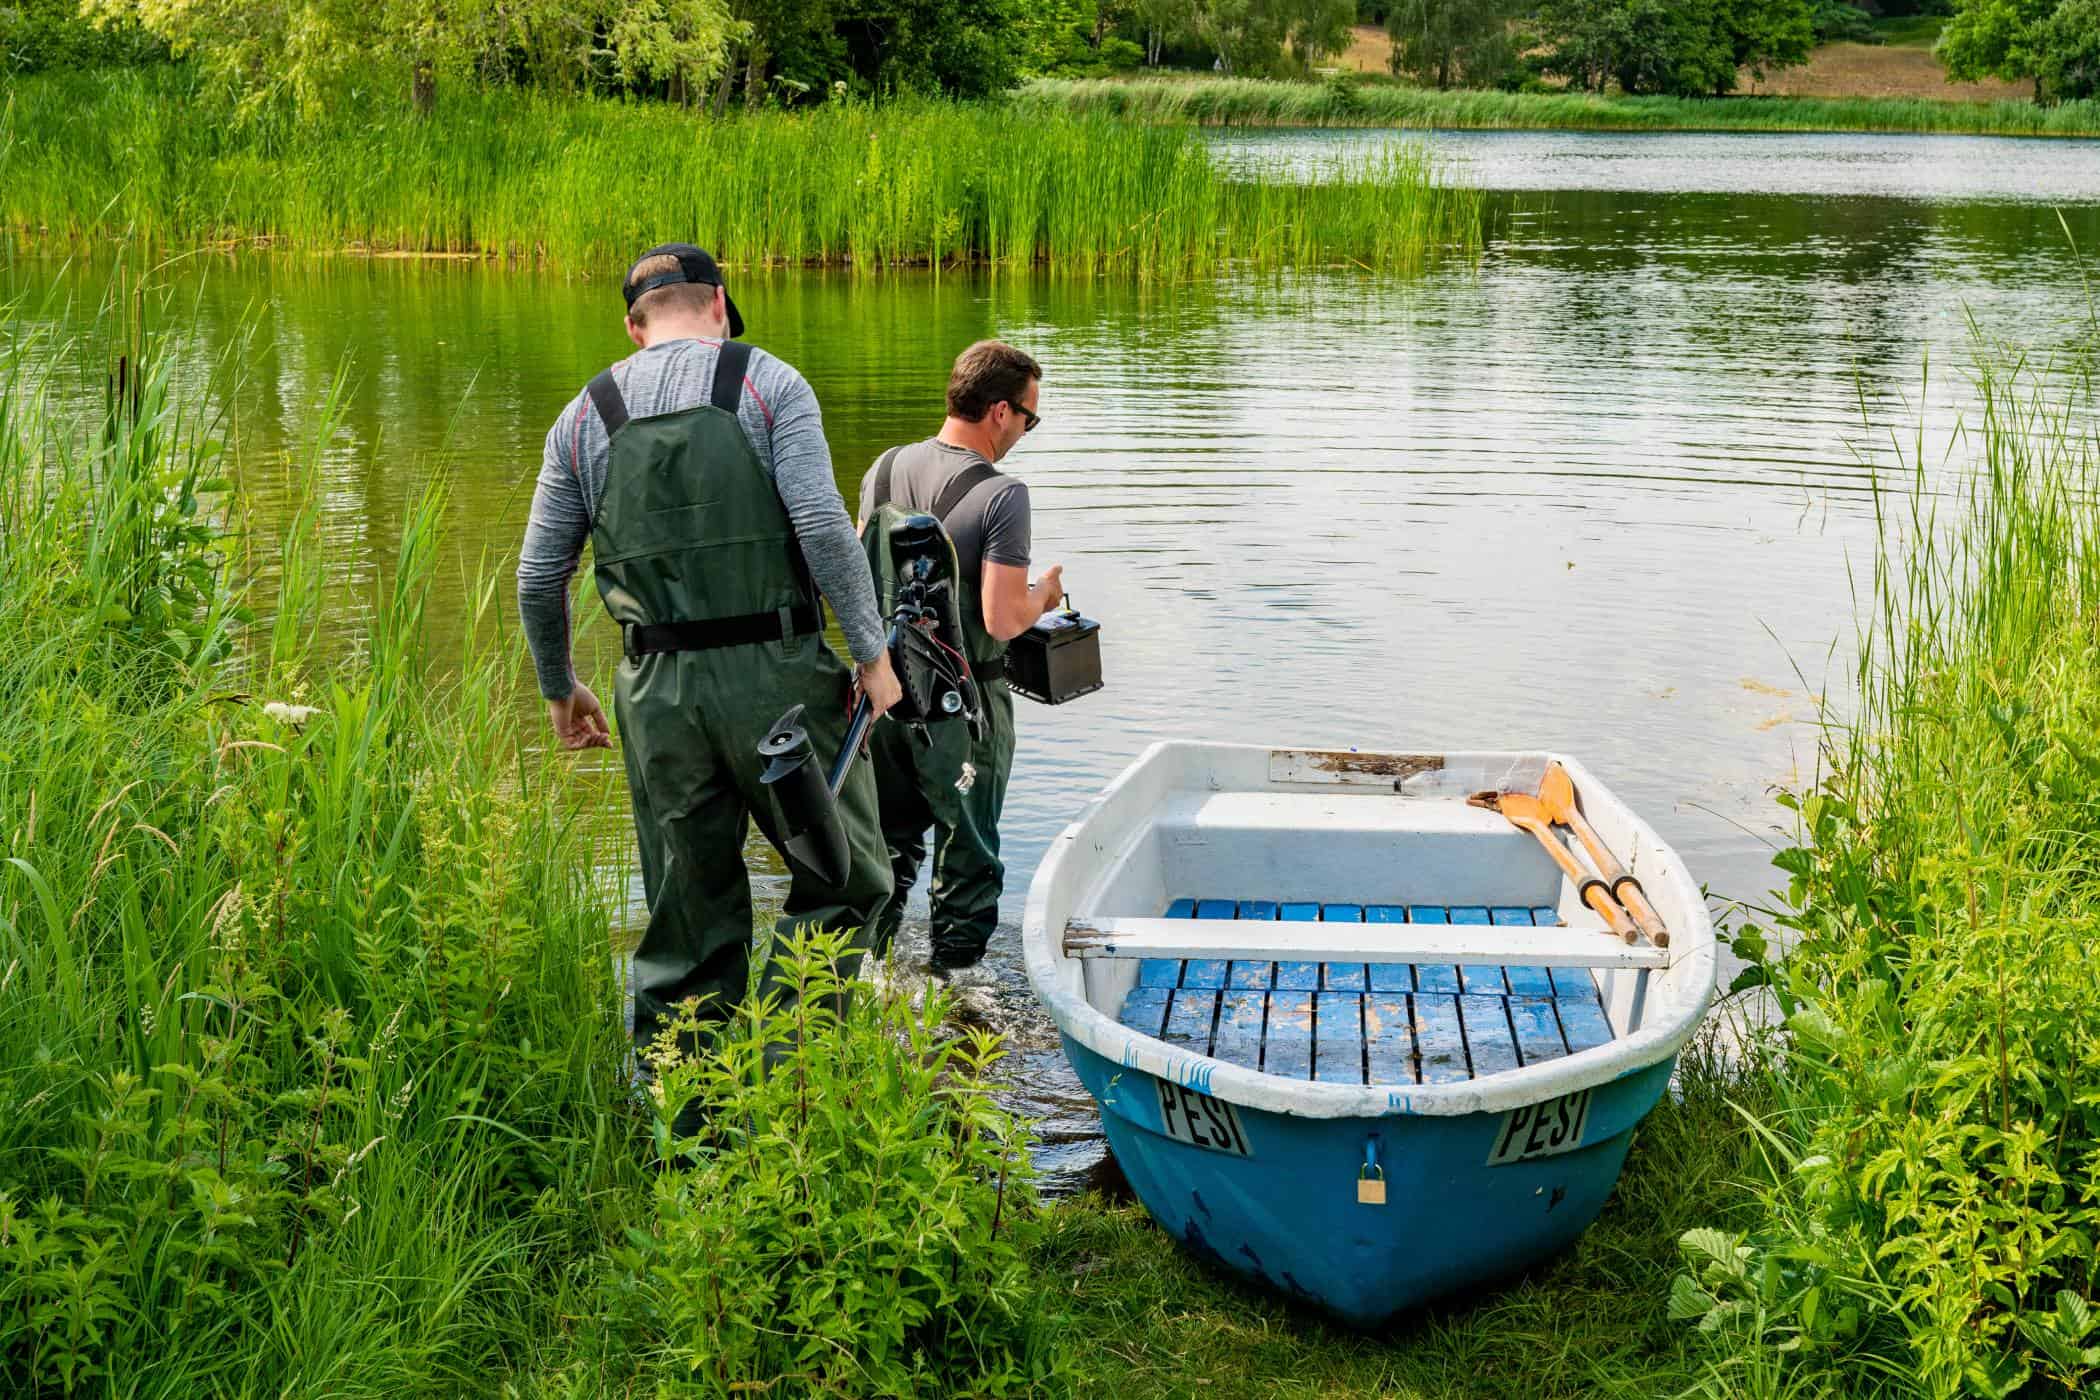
(721, 630)
(947, 781)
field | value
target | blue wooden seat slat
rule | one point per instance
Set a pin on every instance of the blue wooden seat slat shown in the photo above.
(1145, 1010)
(1488, 1040)
(1241, 1015)
(1442, 1041)
(1388, 977)
(1338, 1038)
(1376, 1023)
(1389, 1040)
(1523, 981)
(1529, 981)
(1538, 1032)
(1189, 1020)
(1288, 1048)
(1391, 977)
(1159, 972)
(1483, 980)
(1298, 976)
(1342, 977)
(1582, 1022)
(1478, 978)
(1432, 977)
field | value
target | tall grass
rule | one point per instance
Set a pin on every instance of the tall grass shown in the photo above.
(1260, 102)
(1935, 1146)
(586, 183)
(309, 1045)
(313, 1075)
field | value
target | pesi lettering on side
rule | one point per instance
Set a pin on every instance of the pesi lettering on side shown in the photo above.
(1200, 1120)
(1541, 1129)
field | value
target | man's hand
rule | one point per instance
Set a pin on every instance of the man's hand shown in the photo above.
(1049, 590)
(579, 721)
(878, 681)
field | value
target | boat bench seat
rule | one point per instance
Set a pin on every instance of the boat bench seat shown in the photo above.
(1366, 1023)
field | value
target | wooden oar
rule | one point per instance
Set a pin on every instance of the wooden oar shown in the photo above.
(1527, 814)
(1557, 796)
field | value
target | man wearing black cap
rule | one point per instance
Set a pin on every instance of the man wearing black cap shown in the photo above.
(698, 471)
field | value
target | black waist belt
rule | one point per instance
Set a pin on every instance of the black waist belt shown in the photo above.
(647, 638)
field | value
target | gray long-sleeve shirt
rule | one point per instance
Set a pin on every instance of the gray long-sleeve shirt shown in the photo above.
(778, 412)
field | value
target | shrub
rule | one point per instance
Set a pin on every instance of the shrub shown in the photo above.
(849, 1218)
(1936, 1150)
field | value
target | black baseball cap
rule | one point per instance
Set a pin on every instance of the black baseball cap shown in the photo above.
(694, 265)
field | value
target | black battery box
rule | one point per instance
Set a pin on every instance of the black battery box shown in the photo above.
(1056, 660)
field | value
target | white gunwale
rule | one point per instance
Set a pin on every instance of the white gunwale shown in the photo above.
(1106, 842)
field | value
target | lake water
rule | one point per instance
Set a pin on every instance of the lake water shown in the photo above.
(1602, 494)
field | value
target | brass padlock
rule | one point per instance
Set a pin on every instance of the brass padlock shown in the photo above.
(1370, 1190)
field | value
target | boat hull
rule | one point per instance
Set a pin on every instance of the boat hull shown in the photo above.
(1289, 1213)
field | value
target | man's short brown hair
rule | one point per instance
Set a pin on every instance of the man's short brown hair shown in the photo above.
(679, 296)
(988, 373)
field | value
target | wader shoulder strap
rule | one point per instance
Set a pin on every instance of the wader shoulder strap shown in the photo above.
(879, 493)
(605, 397)
(730, 365)
(965, 482)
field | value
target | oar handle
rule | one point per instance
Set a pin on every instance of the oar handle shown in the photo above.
(1593, 891)
(1625, 886)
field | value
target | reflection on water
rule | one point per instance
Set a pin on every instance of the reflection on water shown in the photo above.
(1600, 495)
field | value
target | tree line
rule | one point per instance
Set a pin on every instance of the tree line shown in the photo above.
(1695, 48)
(719, 53)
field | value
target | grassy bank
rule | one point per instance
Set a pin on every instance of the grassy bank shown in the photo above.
(1935, 1130)
(1260, 102)
(584, 184)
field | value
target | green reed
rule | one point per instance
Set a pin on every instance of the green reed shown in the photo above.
(1261, 102)
(313, 1072)
(584, 184)
(308, 1039)
(1933, 1175)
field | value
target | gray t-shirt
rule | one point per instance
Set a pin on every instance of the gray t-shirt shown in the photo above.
(779, 415)
(990, 523)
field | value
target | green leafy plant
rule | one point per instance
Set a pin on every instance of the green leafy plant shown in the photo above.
(851, 1217)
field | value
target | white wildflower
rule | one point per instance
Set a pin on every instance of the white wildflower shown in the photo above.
(293, 716)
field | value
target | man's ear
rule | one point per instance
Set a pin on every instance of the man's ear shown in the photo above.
(634, 333)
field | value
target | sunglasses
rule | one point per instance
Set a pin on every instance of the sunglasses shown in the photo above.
(1032, 417)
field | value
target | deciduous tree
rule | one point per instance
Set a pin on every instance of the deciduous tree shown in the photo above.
(1447, 41)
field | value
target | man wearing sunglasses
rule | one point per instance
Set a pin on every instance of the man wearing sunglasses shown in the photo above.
(951, 784)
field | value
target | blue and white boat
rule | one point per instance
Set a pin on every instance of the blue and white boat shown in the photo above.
(1350, 1035)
